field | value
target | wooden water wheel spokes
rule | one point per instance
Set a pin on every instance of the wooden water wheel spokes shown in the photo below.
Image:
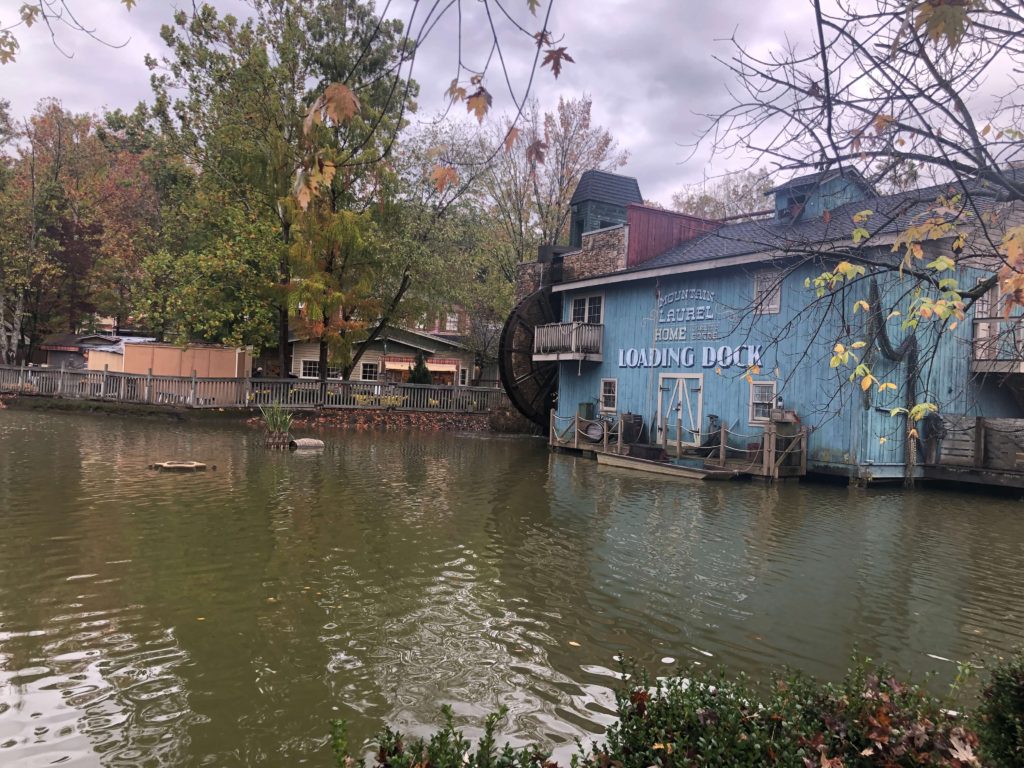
(531, 385)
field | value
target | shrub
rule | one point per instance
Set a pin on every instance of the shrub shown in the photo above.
(704, 718)
(447, 748)
(1000, 717)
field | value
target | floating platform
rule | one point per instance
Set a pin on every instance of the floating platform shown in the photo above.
(178, 466)
(667, 468)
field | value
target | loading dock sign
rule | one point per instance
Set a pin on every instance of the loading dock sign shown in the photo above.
(743, 356)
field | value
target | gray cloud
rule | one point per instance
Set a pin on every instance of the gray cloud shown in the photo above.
(648, 66)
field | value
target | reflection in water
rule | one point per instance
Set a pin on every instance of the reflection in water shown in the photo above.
(223, 618)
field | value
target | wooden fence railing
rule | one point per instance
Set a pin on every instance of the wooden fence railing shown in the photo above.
(194, 392)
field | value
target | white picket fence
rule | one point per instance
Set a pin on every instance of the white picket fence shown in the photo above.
(194, 392)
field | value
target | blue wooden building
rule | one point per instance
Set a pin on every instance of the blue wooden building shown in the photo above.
(713, 334)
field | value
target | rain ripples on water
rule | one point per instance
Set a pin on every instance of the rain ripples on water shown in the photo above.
(224, 618)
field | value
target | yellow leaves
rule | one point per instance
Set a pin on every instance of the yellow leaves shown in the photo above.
(862, 216)
(861, 305)
(8, 46)
(881, 441)
(337, 103)
(848, 270)
(444, 176)
(478, 103)
(839, 349)
(667, 748)
(940, 264)
(884, 386)
(866, 382)
(858, 345)
(943, 20)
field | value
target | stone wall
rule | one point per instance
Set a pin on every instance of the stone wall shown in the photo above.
(603, 252)
(382, 418)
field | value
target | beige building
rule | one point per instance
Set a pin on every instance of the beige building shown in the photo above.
(146, 356)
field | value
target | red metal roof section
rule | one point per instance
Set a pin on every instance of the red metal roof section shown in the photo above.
(652, 231)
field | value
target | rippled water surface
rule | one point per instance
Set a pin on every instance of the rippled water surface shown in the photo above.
(224, 618)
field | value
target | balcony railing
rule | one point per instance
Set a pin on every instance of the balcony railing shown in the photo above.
(568, 341)
(998, 345)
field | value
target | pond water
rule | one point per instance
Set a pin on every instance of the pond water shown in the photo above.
(224, 618)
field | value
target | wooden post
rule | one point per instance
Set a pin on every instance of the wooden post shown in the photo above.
(722, 444)
(619, 441)
(552, 433)
(103, 382)
(604, 434)
(803, 451)
(149, 385)
(979, 442)
(679, 431)
(21, 377)
(664, 433)
(192, 394)
(576, 431)
(60, 380)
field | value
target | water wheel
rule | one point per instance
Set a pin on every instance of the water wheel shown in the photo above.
(531, 386)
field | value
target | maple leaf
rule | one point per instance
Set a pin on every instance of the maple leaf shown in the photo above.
(444, 176)
(479, 102)
(535, 152)
(555, 57)
(129, 4)
(533, 5)
(340, 104)
(510, 138)
(961, 750)
(542, 38)
(455, 91)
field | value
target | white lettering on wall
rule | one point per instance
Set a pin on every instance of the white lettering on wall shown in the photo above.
(744, 356)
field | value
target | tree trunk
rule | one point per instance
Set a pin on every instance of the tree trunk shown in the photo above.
(284, 352)
(385, 318)
(323, 361)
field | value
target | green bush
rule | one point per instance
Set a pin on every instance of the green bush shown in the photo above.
(447, 748)
(705, 718)
(1000, 716)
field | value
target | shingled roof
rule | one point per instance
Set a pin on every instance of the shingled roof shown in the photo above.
(890, 214)
(604, 187)
(850, 174)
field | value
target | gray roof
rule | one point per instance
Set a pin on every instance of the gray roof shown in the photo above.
(889, 214)
(604, 187)
(811, 179)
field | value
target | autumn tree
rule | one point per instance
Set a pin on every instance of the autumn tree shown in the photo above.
(529, 186)
(732, 194)
(897, 88)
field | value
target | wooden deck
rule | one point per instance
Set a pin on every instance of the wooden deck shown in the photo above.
(779, 451)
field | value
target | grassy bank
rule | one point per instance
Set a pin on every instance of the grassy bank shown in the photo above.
(705, 718)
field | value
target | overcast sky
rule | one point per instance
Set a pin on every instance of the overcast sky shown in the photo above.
(648, 66)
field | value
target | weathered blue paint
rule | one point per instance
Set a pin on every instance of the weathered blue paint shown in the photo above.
(720, 337)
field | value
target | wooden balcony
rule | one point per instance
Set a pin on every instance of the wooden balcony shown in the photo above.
(568, 341)
(998, 345)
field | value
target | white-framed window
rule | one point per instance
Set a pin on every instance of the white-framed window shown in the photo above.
(311, 370)
(609, 394)
(369, 372)
(588, 309)
(987, 304)
(451, 321)
(767, 292)
(463, 377)
(762, 400)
